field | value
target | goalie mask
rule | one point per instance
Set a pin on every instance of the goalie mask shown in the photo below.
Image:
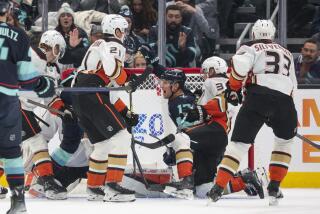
(263, 29)
(110, 23)
(52, 39)
(213, 65)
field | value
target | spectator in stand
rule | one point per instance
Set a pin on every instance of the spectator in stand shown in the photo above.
(139, 61)
(144, 16)
(181, 50)
(75, 37)
(105, 6)
(95, 33)
(193, 17)
(131, 40)
(307, 65)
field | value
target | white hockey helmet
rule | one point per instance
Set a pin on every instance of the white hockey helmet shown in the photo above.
(110, 23)
(263, 29)
(52, 38)
(218, 64)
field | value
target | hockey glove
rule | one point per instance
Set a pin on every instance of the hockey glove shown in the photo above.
(131, 118)
(198, 114)
(169, 157)
(233, 97)
(45, 87)
(149, 55)
(69, 115)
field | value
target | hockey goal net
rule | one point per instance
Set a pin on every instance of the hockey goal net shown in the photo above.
(154, 122)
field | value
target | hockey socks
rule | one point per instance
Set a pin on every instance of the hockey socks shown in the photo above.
(42, 163)
(184, 160)
(14, 171)
(97, 172)
(116, 167)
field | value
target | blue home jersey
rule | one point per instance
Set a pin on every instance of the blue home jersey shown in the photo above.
(181, 104)
(16, 69)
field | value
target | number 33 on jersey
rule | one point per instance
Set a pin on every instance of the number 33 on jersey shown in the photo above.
(264, 63)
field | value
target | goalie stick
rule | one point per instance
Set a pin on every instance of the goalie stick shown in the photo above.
(303, 138)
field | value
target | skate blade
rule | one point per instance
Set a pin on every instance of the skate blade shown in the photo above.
(53, 196)
(183, 194)
(95, 197)
(273, 201)
(119, 198)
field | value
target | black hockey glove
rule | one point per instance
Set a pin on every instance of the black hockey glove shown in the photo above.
(233, 97)
(69, 115)
(198, 114)
(149, 55)
(169, 157)
(45, 87)
(131, 118)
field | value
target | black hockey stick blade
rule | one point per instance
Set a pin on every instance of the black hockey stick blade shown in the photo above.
(303, 138)
(164, 141)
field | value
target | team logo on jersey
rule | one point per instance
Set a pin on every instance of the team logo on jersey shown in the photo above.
(12, 137)
(110, 128)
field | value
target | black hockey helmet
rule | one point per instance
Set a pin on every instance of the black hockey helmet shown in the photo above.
(175, 76)
(4, 6)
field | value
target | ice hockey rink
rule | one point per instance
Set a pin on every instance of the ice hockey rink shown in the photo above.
(295, 201)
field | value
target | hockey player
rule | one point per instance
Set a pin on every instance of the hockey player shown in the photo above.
(34, 141)
(105, 120)
(270, 82)
(207, 126)
(16, 71)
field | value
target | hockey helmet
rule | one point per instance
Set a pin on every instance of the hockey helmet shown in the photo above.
(52, 38)
(218, 64)
(175, 76)
(110, 23)
(263, 29)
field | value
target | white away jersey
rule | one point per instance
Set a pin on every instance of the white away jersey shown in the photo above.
(268, 64)
(110, 55)
(211, 88)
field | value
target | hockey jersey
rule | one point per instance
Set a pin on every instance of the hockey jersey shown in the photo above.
(107, 56)
(264, 63)
(15, 61)
(211, 88)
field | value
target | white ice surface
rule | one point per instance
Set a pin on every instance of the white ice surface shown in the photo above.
(296, 201)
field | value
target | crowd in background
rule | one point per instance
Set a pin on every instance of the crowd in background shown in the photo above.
(193, 27)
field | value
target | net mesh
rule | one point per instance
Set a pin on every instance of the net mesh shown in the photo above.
(194, 82)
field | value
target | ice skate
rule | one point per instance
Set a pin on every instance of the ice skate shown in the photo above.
(181, 189)
(116, 193)
(275, 194)
(18, 205)
(3, 192)
(53, 190)
(95, 193)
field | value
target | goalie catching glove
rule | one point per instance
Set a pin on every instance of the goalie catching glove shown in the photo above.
(233, 97)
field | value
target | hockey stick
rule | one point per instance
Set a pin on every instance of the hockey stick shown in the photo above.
(129, 88)
(301, 137)
(161, 142)
(46, 107)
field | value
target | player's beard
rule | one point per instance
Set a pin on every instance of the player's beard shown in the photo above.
(307, 59)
